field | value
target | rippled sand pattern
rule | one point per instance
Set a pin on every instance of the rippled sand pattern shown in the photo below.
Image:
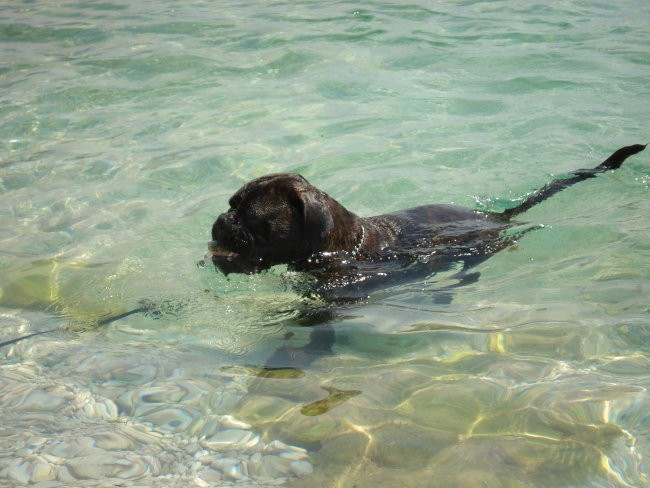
(126, 125)
(97, 415)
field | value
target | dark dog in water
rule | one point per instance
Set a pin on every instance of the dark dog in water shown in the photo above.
(282, 219)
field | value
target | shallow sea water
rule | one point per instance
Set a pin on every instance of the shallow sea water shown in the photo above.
(125, 127)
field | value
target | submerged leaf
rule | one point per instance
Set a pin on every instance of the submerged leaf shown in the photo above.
(334, 399)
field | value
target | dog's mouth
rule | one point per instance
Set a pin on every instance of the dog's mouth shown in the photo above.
(220, 252)
(233, 262)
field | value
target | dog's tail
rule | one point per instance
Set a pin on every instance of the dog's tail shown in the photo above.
(555, 186)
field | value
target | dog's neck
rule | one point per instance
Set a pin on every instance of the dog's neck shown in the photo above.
(341, 238)
(356, 236)
(360, 242)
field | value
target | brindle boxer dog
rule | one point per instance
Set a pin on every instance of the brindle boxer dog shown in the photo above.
(282, 219)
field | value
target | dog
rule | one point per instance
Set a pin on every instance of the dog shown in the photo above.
(283, 219)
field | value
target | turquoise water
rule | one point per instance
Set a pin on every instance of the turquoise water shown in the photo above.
(125, 127)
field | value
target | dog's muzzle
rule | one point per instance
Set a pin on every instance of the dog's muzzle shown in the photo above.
(215, 250)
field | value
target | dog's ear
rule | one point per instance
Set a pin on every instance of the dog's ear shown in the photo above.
(313, 214)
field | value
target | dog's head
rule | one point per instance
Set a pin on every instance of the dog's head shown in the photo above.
(275, 219)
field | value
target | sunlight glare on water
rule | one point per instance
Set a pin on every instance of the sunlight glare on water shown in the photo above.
(126, 126)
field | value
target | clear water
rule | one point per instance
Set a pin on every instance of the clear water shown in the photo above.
(124, 128)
